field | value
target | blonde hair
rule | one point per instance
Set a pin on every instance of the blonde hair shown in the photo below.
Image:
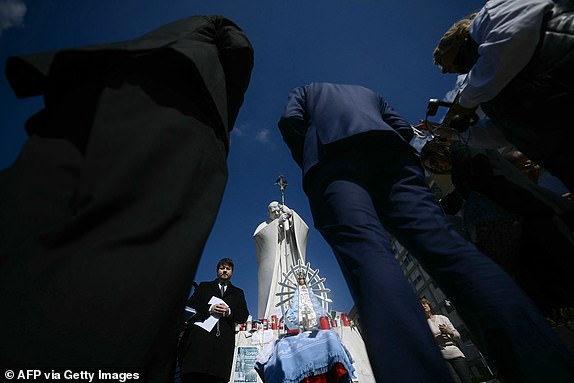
(453, 38)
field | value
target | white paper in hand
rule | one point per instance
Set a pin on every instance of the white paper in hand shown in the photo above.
(210, 322)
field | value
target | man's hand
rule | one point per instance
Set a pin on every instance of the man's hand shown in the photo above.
(220, 308)
(457, 110)
(460, 118)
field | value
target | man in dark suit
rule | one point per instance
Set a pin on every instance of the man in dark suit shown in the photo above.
(363, 179)
(206, 355)
(106, 211)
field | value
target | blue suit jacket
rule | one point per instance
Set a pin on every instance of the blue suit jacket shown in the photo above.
(320, 114)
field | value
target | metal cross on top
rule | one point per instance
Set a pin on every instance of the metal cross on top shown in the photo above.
(282, 182)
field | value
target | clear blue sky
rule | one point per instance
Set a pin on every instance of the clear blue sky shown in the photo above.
(385, 45)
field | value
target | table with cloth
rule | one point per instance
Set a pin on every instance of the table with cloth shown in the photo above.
(304, 356)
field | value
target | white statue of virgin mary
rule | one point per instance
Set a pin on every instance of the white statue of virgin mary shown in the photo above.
(305, 312)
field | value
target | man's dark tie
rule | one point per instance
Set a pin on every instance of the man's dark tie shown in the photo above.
(222, 287)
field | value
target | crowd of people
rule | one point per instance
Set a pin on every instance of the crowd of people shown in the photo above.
(76, 204)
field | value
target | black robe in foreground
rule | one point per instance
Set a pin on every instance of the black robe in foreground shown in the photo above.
(105, 213)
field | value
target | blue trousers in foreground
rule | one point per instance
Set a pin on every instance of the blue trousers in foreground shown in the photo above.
(356, 197)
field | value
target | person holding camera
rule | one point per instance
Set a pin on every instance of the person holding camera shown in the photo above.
(518, 55)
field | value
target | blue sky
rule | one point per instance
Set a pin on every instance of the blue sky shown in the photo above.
(385, 45)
